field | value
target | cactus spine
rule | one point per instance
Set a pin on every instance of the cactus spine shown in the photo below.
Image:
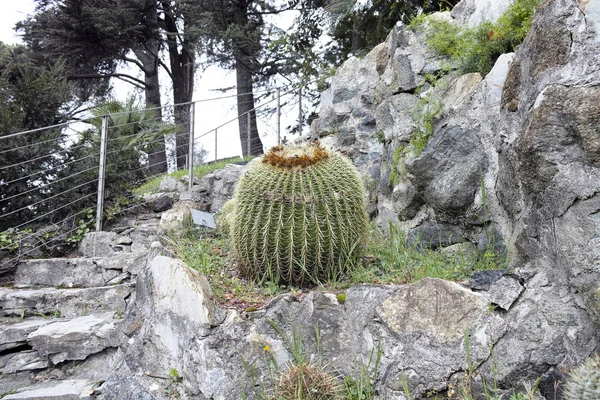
(584, 381)
(299, 215)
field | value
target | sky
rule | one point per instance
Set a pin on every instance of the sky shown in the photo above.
(209, 114)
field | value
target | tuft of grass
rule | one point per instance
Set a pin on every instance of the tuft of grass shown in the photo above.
(152, 184)
(392, 260)
(307, 381)
(477, 49)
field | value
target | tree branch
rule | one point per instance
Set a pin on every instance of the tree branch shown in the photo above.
(127, 78)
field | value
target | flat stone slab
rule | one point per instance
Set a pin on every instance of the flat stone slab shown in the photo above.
(15, 335)
(63, 272)
(64, 302)
(23, 361)
(71, 389)
(76, 339)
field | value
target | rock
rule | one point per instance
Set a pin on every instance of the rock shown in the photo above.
(439, 309)
(98, 244)
(224, 184)
(433, 235)
(177, 220)
(176, 286)
(162, 203)
(170, 184)
(462, 88)
(63, 272)
(465, 252)
(63, 302)
(22, 361)
(394, 117)
(71, 389)
(15, 335)
(475, 12)
(77, 338)
(125, 262)
(448, 173)
(501, 288)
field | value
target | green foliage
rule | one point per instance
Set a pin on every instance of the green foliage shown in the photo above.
(10, 238)
(392, 260)
(584, 381)
(477, 49)
(358, 29)
(31, 96)
(85, 224)
(299, 216)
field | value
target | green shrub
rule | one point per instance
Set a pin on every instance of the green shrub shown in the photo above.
(477, 49)
(299, 216)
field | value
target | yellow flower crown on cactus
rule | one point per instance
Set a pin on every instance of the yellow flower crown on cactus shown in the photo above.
(299, 216)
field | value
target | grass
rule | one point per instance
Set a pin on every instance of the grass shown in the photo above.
(152, 184)
(389, 259)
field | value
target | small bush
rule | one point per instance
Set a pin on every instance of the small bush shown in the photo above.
(477, 49)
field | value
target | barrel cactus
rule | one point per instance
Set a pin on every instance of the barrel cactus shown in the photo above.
(584, 381)
(299, 216)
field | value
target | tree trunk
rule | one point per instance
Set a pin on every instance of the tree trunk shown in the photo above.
(244, 50)
(157, 156)
(182, 55)
(245, 105)
(148, 55)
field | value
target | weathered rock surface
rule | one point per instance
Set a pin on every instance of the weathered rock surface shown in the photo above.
(63, 302)
(15, 335)
(77, 338)
(72, 389)
(64, 272)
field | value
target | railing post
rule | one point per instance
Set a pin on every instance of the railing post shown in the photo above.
(278, 116)
(300, 111)
(216, 145)
(101, 173)
(249, 129)
(191, 147)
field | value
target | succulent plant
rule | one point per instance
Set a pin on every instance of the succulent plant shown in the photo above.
(299, 215)
(584, 381)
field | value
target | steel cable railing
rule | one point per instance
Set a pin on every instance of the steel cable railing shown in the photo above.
(43, 181)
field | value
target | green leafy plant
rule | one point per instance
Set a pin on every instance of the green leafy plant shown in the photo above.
(299, 216)
(477, 49)
(84, 225)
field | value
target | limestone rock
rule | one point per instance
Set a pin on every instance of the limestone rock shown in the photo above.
(63, 302)
(474, 12)
(71, 389)
(170, 184)
(448, 172)
(15, 335)
(77, 338)
(433, 235)
(22, 361)
(98, 244)
(177, 220)
(64, 272)
(440, 309)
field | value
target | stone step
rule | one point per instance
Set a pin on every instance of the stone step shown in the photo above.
(52, 302)
(15, 335)
(22, 361)
(64, 272)
(77, 338)
(70, 389)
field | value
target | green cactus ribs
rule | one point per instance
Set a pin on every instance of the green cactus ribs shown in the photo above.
(299, 216)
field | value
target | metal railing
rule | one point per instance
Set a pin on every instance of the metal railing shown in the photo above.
(54, 175)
